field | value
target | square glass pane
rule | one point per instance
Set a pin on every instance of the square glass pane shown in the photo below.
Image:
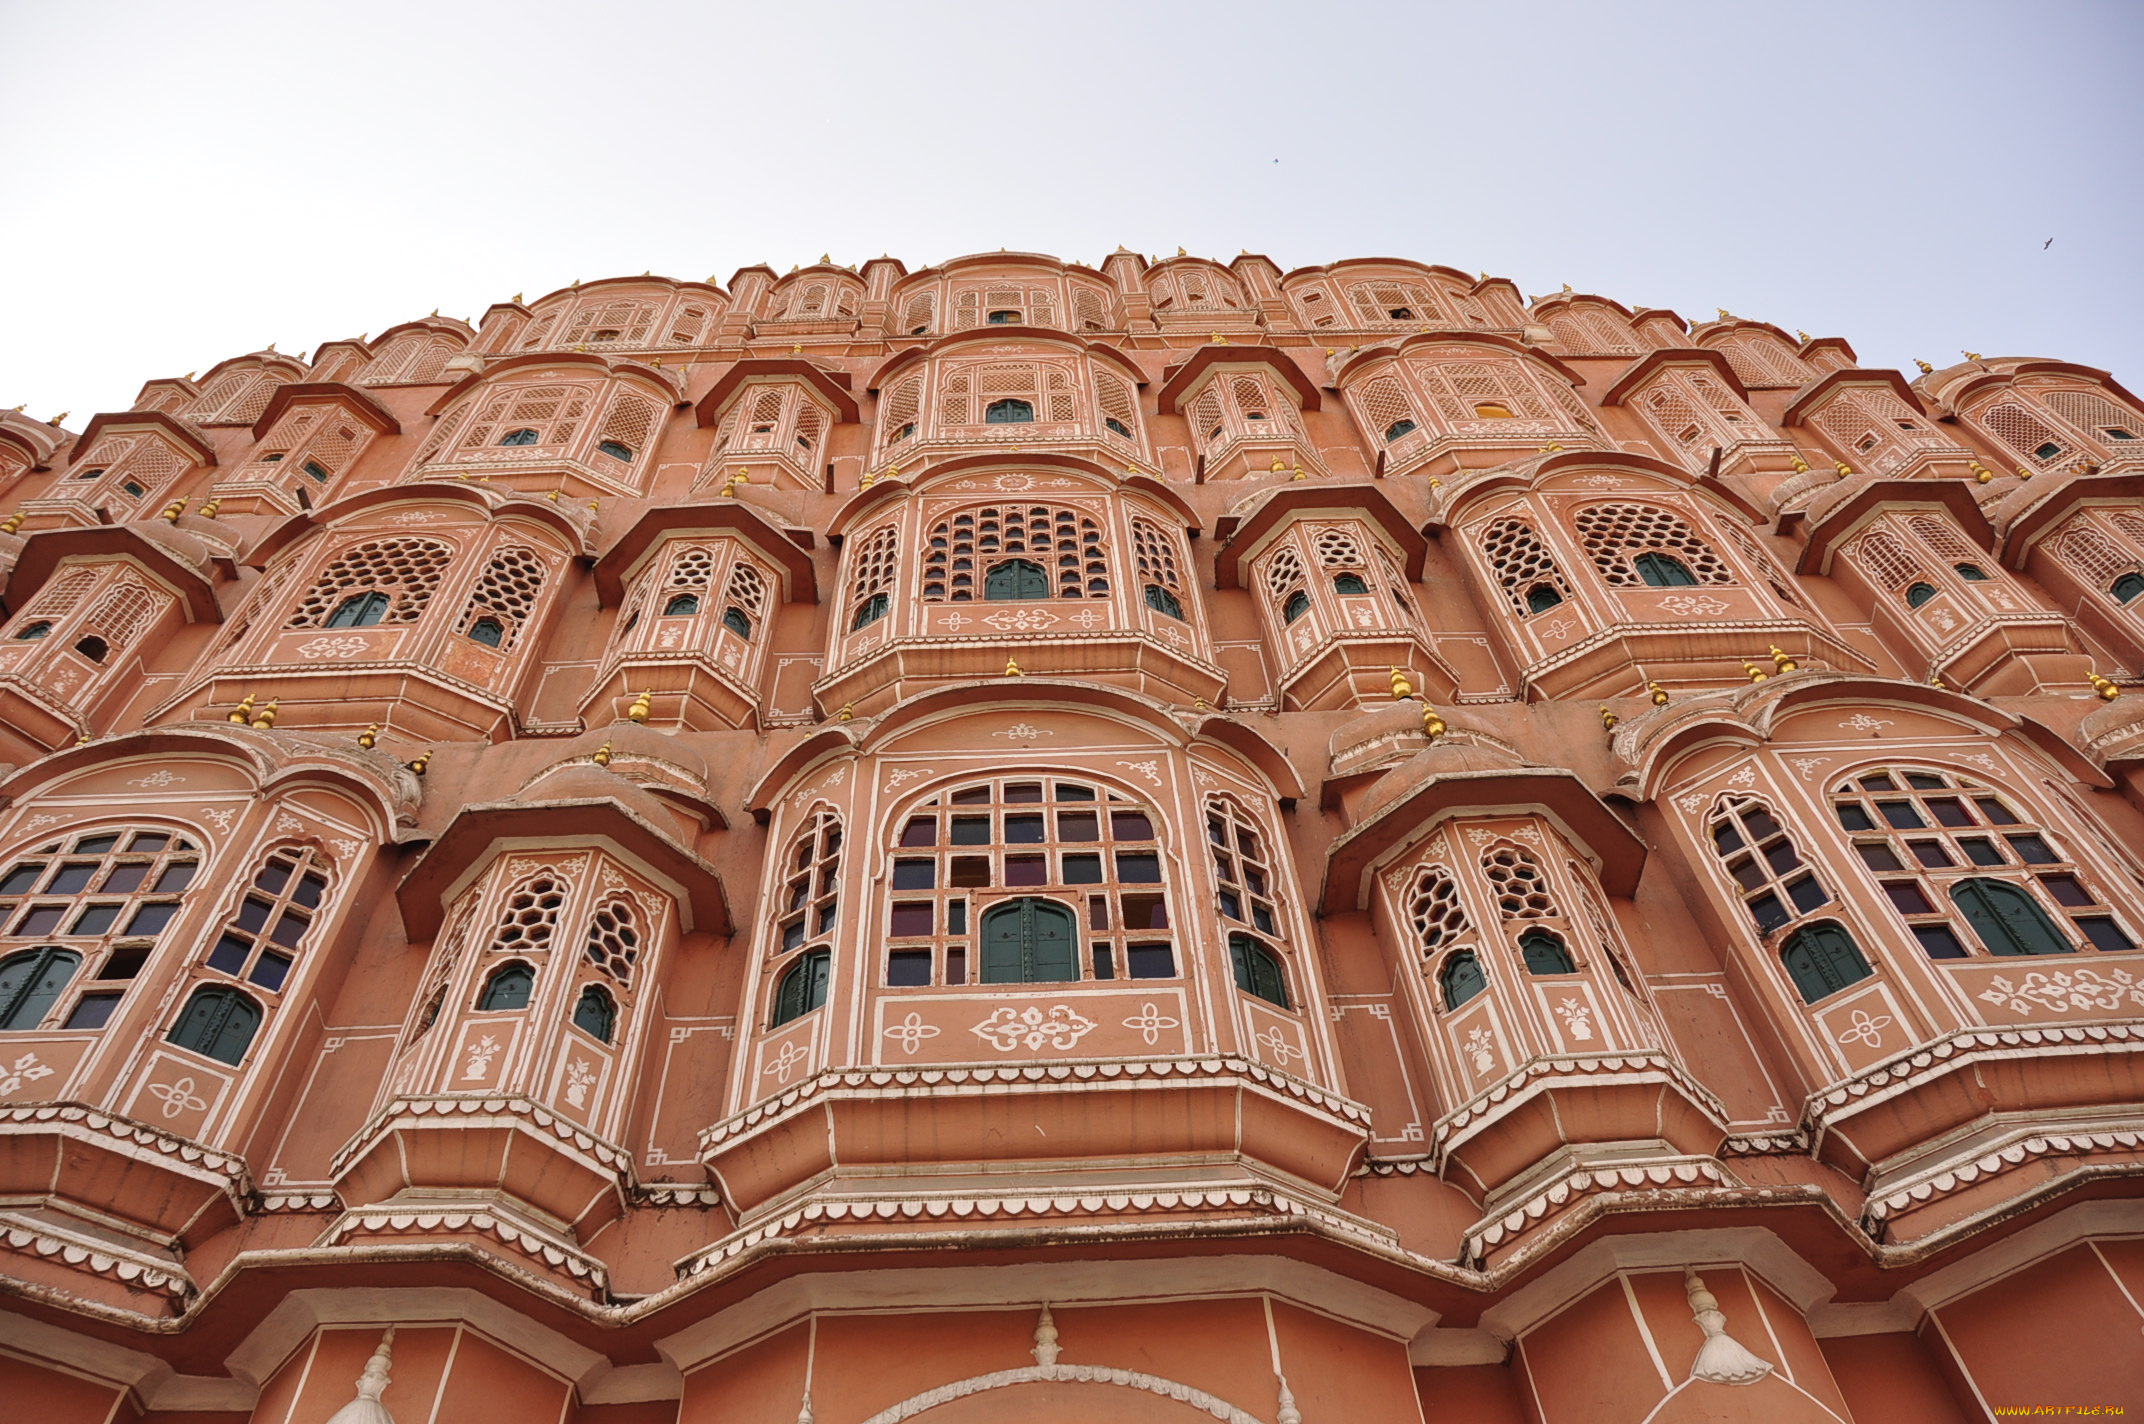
(1924, 781)
(1130, 826)
(1907, 897)
(1216, 832)
(271, 971)
(1150, 961)
(969, 871)
(1247, 842)
(920, 831)
(1078, 826)
(1997, 813)
(1930, 853)
(1781, 857)
(971, 796)
(21, 878)
(2032, 850)
(95, 920)
(1980, 850)
(1937, 942)
(793, 933)
(273, 877)
(308, 891)
(289, 929)
(1748, 873)
(42, 920)
(1878, 782)
(1097, 912)
(1068, 792)
(1145, 912)
(915, 874)
(1725, 837)
(1878, 856)
(1023, 830)
(1768, 912)
(1231, 904)
(1104, 962)
(149, 840)
(1024, 870)
(93, 1011)
(1901, 815)
(822, 919)
(1853, 817)
(253, 913)
(908, 968)
(1949, 811)
(1254, 879)
(1262, 918)
(914, 917)
(2067, 892)
(2105, 934)
(799, 892)
(971, 830)
(1759, 823)
(1138, 868)
(177, 876)
(229, 955)
(956, 918)
(1807, 893)
(1025, 793)
(956, 965)
(1083, 869)
(96, 845)
(126, 879)
(71, 878)
(124, 963)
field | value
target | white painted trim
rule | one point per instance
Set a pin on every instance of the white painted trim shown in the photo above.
(1756, 1248)
(1456, 1347)
(2109, 1217)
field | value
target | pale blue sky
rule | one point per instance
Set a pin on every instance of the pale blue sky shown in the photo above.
(190, 182)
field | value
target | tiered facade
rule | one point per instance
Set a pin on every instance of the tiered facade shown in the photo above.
(1145, 842)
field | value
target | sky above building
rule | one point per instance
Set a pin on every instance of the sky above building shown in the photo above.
(192, 182)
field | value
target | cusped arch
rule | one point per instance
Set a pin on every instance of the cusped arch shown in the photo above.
(918, 1405)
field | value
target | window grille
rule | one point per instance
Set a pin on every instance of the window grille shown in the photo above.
(104, 896)
(529, 918)
(1467, 393)
(747, 589)
(261, 941)
(1433, 909)
(2087, 549)
(1115, 398)
(1776, 886)
(1384, 404)
(916, 318)
(1284, 572)
(871, 579)
(405, 571)
(1944, 848)
(1520, 887)
(1084, 862)
(2100, 418)
(123, 613)
(1090, 309)
(1614, 533)
(613, 942)
(554, 413)
(631, 422)
(2029, 437)
(609, 324)
(903, 404)
(970, 542)
(507, 592)
(1521, 564)
(409, 359)
(59, 597)
(1886, 560)
(1155, 554)
(1758, 359)
(1337, 549)
(1246, 886)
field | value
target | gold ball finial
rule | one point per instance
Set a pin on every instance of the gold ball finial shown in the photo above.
(243, 712)
(13, 523)
(1781, 660)
(208, 511)
(423, 760)
(1658, 693)
(1936, 680)
(1756, 674)
(2023, 473)
(847, 712)
(1300, 474)
(60, 417)
(642, 705)
(370, 737)
(1401, 687)
(1608, 718)
(1970, 355)
(2103, 688)
(1844, 469)
(1926, 369)
(1012, 669)
(1982, 474)
(264, 720)
(173, 510)
(1432, 725)
(602, 755)
(1801, 466)
(1198, 703)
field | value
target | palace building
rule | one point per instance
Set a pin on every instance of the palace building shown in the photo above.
(1115, 844)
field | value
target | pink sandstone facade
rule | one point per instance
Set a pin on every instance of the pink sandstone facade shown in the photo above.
(1024, 841)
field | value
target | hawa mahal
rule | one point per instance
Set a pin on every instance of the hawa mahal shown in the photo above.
(1144, 842)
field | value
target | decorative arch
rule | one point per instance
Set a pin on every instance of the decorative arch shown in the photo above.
(1184, 1394)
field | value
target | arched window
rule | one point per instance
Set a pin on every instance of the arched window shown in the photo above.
(1618, 536)
(2006, 918)
(871, 577)
(217, 1022)
(595, 1013)
(1009, 411)
(1162, 601)
(1349, 583)
(488, 631)
(1520, 886)
(1935, 841)
(107, 895)
(1154, 554)
(1523, 567)
(2127, 588)
(681, 605)
(523, 436)
(1776, 887)
(1063, 545)
(1660, 571)
(1460, 979)
(1545, 954)
(802, 986)
(1297, 605)
(1030, 941)
(1398, 428)
(1015, 579)
(360, 610)
(34, 631)
(93, 647)
(508, 988)
(1092, 853)
(810, 895)
(1971, 573)
(1918, 594)
(506, 594)
(1822, 959)
(735, 620)
(399, 575)
(31, 983)
(263, 937)
(615, 449)
(1242, 866)
(1258, 970)
(613, 942)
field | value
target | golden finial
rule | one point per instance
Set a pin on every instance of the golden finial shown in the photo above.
(657, 362)
(60, 417)
(796, 348)
(602, 755)
(1725, 315)
(1435, 483)
(1432, 725)
(1401, 687)
(1803, 335)
(1659, 694)
(1844, 468)
(824, 259)
(867, 481)
(1756, 674)
(1970, 355)
(14, 522)
(517, 299)
(1936, 680)
(580, 346)
(1567, 288)
(1981, 473)
(2107, 690)
(208, 511)
(847, 712)
(1277, 466)
(1553, 447)
(370, 737)
(1926, 369)
(1219, 339)
(1781, 660)
(1198, 704)
(264, 719)
(1181, 253)
(638, 712)
(893, 472)
(423, 760)
(173, 510)
(82, 740)
(1012, 669)
(1300, 474)
(435, 312)
(271, 345)
(2023, 473)
(553, 496)
(1801, 466)
(243, 712)
(1608, 718)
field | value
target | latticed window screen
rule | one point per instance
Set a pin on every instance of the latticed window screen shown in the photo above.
(1385, 407)
(917, 316)
(1337, 549)
(554, 413)
(2088, 549)
(898, 417)
(130, 466)
(234, 398)
(1390, 303)
(612, 944)
(1090, 309)
(1065, 543)
(630, 422)
(59, 597)
(1284, 572)
(2095, 415)
(410, 359)
(529, 919)
(2031, 438)
(1886, 560)
(1155, 553)
(871, 575)
(1760, 359)
(1115, 397)
(1614, 533)
(123, 613)
(1468, 393)
(1584, 331)
(688, 327)
(261, 941)
(622, 323)
(1940, 539)
(1434, 911)
(691, 568)
(507, 592)
(406, 571)
(1520, 886)
(747, 590)
(1521, 563)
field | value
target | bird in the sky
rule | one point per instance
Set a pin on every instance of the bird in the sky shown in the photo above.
(2047, 244)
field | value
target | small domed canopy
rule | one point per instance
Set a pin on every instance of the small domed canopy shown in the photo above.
(1818, 391)
(1846, 508)
(661, 382)
(1179, 380)
(2038, 508)
(171, 428)
(783, 547)
(566, 522)
(357, 403)
(171, 557)
(830, 386)
(887, 491)
(1245, 529)
(1646, 367)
